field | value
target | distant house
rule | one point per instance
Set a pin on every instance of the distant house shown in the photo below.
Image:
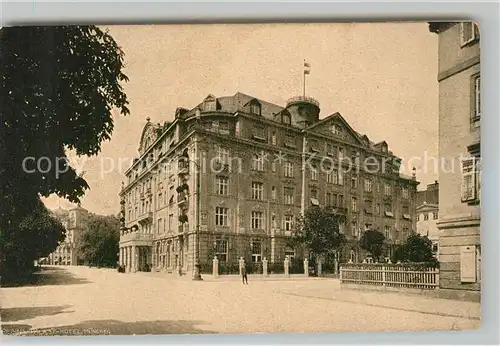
(428, 214)
(74, 221)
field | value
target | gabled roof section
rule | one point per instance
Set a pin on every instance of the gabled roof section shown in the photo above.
(336, 117)
(427, 206)
(149, 135)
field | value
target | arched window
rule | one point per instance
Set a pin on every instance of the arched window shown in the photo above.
(352, 256)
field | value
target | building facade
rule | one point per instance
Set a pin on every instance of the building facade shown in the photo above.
(260, 166)
(459, 143)
(428, 214)
(74, 221)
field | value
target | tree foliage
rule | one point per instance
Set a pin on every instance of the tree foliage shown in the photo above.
(58, 88)
(318, 230)
(373, 242)
(38, 234)
(416, 249)
(100, 241)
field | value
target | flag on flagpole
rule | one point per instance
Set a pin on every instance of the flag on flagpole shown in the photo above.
(307, 67)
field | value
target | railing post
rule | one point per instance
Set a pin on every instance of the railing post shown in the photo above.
(215, 269)
(287, 266)
(383, 276)
(264, 266)
(436, 273)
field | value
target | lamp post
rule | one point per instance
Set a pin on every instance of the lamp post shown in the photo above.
(197, 272)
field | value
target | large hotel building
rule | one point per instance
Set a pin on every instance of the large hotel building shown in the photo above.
(260, 166)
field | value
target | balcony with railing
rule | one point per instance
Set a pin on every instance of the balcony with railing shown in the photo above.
(302, 99)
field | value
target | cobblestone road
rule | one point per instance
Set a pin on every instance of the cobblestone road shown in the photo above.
(81, 300)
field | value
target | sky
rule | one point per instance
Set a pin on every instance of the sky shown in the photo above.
(382, 78)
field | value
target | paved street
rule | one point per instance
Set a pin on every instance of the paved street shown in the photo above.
(81, 300)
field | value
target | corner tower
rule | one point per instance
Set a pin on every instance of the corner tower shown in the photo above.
(304, 111)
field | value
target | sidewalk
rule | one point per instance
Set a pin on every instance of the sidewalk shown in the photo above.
(234, 277)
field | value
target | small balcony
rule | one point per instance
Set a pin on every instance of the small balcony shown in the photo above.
(182, 199)
(146, 217)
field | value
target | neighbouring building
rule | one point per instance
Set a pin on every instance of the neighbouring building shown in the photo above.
(74, 221)
(459, 143)
(261, 165)
(428, 214)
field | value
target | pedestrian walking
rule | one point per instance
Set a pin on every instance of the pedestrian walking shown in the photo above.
(244, 274)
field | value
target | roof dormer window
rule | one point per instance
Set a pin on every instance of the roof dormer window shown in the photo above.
(209, 106)
(255, 109)
(287, 119)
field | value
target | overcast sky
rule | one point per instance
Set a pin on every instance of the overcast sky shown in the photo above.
(380, 77)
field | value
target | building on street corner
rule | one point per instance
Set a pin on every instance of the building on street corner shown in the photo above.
(459, 142)
(260, 166)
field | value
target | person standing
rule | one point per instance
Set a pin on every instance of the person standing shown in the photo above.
(244, 273)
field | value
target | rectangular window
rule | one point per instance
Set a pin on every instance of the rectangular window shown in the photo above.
(340, 154)
(273, 138)
(289, 141)
(435, 215)
(406, 233)
(477, 98)
(387, 232)
(354, 204)
(258, 162)
(273, 166)
(221, 216)
(288, 222)
(224, 127)
(257, 220)
(222, 155)
(158, 229)
(288, 194)
(354, 182)
(260, 133)
(256, 251)
(222, 185)
(470, 175)
(354, 229)
(328, 199)
(387, 189)
(273, 192)
(255, 109)
(368, 185)
(314, 194)
(426, 216)
(314, 173)
(288, 169)
(467, 33)
(257, 190)
(170, 222)
(341, 201)
(377, 208)
(221, 249)
(405, 193)
(329, 177)
(330, 150)
(368, 207)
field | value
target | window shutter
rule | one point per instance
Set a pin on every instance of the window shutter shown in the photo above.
(477, 87)
(468, 179)
(468, 264)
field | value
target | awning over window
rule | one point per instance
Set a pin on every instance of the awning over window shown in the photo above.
(406, 216)
(389, 213)
(314, 201)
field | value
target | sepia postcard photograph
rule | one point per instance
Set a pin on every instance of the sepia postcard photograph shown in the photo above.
(240, 178)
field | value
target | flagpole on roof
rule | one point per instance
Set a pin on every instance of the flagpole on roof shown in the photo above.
(306, 72)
